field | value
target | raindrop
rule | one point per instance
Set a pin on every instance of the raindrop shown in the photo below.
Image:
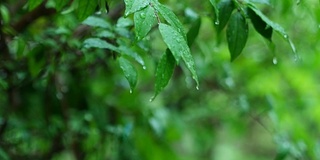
(152, 98)
(197, 87)
(285, 36)
(275, 60)
(217, 22)
(143, 15)
(130, 91)
(144, 67)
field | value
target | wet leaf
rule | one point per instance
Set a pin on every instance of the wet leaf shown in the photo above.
(129, 72)
(225, 8)
(143, 22)
(259, 25)
(134, 6)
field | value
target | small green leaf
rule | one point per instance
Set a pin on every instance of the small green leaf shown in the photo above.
(144, 20)
(237, 34)
(129, 72)
(259, 25)
(97, 22)
(59, 4)
(225, 8)
(164, 72)
(32, 4)
(135, 5)
(5, 16)
(179, 48)
(86, 8)
(170, 17)
(193, 31)
(124, 50)
(99, 43)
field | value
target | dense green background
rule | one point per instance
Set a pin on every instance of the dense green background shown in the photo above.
(61, 100)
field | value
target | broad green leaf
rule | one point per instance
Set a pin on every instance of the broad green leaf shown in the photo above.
(144, 20)
(259, 25)
(170, 17)
(237, 34)
(164, 72)
(273, 25)
(32, 4)
(59, 4)
(97, 22)
(193, 31)
(135, 5)
(99, 43)
(129, 72)
(86, 8)
(179, 47)
(225, 8)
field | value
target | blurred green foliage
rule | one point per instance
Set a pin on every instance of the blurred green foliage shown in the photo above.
(61, 98)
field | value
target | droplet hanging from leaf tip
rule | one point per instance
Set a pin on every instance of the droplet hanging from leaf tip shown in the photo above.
(130, 91)
(152, 98)
(144, 67)
(275, 60)
(217, 22)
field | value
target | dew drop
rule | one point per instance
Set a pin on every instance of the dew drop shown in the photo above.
(143, 15)
(144, 67)
(197, 87)
(217, 22)
(285, 36)
(130, 91)
(275, 60)
(152, 98)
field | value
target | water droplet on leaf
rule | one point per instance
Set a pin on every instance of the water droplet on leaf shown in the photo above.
(217, 22)
(197, 87)
(130, 90)
(285, 36)
(144, 67)
(275, 60)
(143, 15)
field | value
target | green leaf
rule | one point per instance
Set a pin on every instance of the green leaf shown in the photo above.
(4, 13)
(261, 1)
(86, 8)
(129, 72)
(273, 25)
(170, 17)
(143, 22)
(225, 8)
(193, 31)
(124, 50)
(237, 34)
(164, 72)
(32, 4)
(97, 22)
(99, 43)
(259, 25)
(179, 48)
(59, 4)
(134, 6)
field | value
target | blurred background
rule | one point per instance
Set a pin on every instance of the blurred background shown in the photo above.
(60, 100)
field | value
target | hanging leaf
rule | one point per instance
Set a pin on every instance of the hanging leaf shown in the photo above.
(143, 22)
(193, 31)
(259, 25)
(179, 48)
(86, 8)
(237, 34)
(134, 6)
(170, 17)
(32, 4)
(129, 72)
(99, 43)
(274, 26)
(225, 8)
(164, 72)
